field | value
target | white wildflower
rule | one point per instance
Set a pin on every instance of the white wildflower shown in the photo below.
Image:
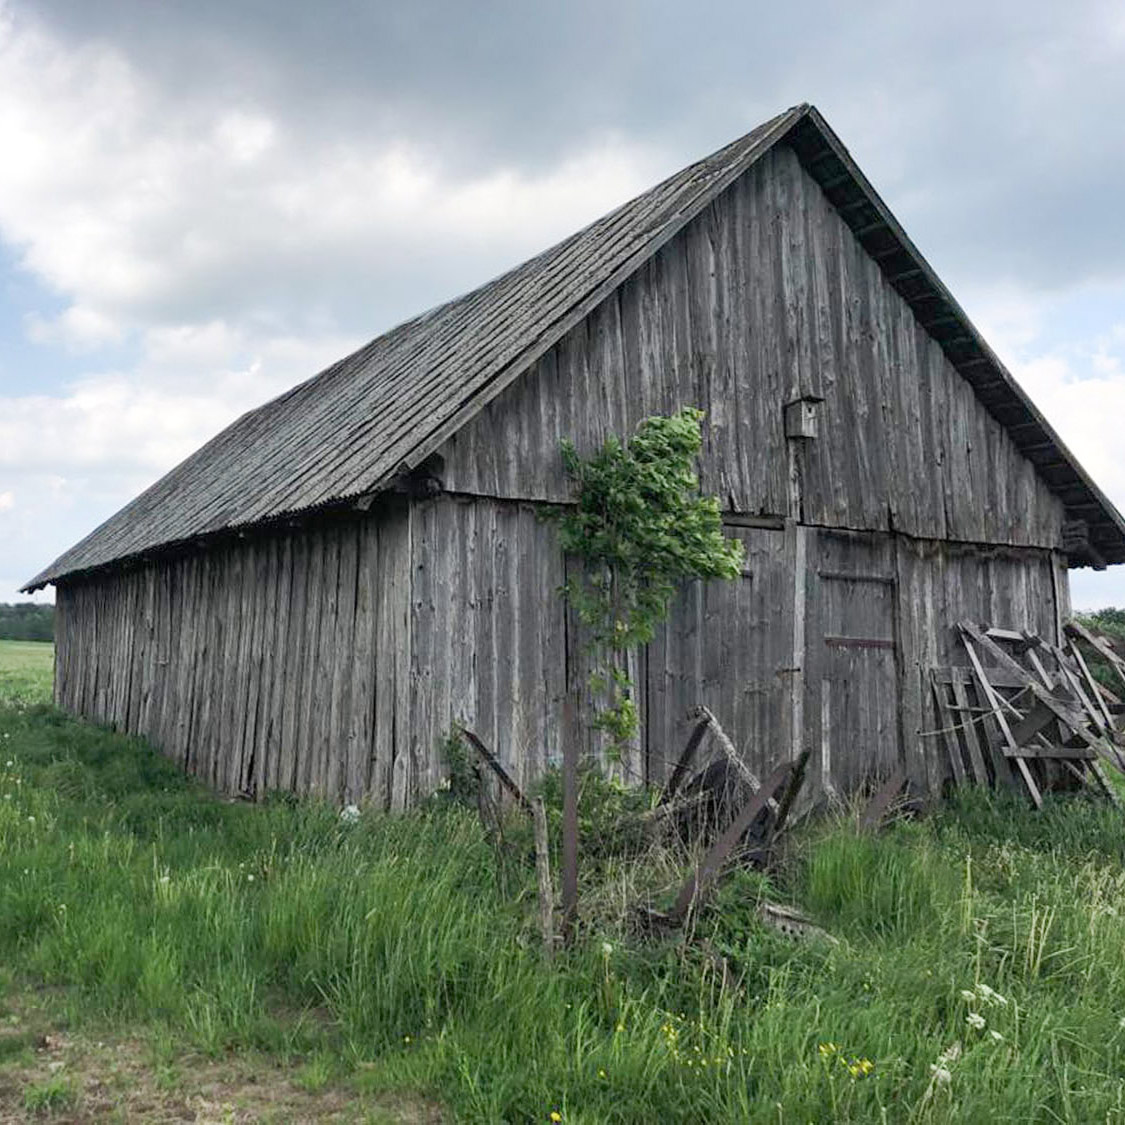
(996, 1035)
(607, 949)
(975, 1019)
(349, 814)
(991, 997)
(941, 1074)
(968, 995)
(250, 878)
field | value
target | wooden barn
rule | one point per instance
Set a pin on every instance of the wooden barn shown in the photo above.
(316, 596)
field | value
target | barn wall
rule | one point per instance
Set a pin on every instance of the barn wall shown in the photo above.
(728, 646)
(493, 647)
(489, 633)
(940, 584)
(336, 659)
(765, 296)
(279, 662)
(880, 611)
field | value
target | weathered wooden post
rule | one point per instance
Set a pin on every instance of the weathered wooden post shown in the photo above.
(571, 750)
(543, 872)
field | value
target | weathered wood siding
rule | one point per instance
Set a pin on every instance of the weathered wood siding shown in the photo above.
(765, 296)
(880, 610)
(729, 646)
(489, 633)
(280, 662)
(939, 584)
(335, 659)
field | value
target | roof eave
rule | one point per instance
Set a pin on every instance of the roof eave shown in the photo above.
(963, 344)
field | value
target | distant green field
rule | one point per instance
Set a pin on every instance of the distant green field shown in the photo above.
(27, 670)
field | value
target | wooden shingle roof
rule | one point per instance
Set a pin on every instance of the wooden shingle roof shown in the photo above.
(378, 413)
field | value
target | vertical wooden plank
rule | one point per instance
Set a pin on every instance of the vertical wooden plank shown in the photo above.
(180, 647)
(804, 556)
(975, 741)
(340, 750)
(250, 778)
(1060, 591)
(60, 679)
(419, 714)
(280, 665)
(445, 521)
(238, 723)
(264, 593)
(257, 753)
(309, 725)
(947, 721)
(401, 638)
(227, 740)
(203, 687)
(297, 628)
(361, 701)
(909, 615)
(320, 734)
(390, 608)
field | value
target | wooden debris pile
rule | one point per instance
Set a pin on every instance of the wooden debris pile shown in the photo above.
(1026, 713)
(702, 801)
(721, 802)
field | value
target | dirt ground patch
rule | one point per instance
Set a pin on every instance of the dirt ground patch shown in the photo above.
(53, 1076)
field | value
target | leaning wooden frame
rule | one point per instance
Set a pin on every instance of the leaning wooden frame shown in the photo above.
(1026, 714)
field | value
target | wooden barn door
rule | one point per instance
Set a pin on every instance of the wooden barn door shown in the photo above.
(727, 645)
(852, 684)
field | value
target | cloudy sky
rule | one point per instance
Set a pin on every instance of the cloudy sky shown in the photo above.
(203, 202)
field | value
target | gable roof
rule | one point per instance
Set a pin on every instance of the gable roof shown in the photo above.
(378, 413)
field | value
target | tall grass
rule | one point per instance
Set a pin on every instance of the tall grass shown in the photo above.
(977, 975)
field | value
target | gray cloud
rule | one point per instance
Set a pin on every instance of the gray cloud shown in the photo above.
(993, 129)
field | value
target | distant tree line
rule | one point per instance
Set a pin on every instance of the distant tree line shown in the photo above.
(27, 621)
(1109, 621)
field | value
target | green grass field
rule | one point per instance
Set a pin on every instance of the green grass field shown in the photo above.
(164, 953)
(26, 671)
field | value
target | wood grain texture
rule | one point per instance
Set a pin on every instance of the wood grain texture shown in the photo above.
(766, 296)
(219, 660)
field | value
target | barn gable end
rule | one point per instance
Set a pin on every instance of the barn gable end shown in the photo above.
(764, 298)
